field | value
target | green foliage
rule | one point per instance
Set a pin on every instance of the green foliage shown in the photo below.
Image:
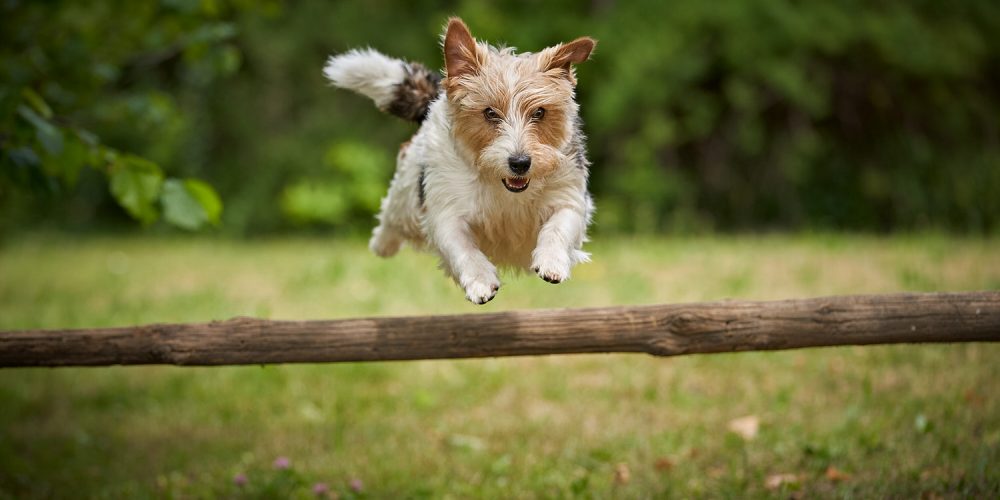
(74, 72)
(136, 184)
(825, 114)
(734, 115)
(352, 185)
(190, 203)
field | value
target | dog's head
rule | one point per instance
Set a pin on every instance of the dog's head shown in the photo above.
(514, 113)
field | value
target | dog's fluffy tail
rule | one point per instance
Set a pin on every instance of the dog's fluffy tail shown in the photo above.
(401, 88)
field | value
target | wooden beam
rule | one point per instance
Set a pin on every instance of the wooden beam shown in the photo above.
(661, 330)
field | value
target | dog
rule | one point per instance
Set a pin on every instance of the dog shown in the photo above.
(496, 175)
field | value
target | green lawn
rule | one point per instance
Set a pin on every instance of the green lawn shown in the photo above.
(896, 421)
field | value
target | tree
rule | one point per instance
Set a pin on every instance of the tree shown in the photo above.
(70, 70)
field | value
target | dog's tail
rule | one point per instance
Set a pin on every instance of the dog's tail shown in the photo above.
(401, 88)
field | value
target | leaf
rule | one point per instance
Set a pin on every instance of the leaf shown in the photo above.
(973, 398)
(622, 473)
(89, 138)
(746, 427)
(48, 134)
(190, 204)
(180, 208)
(37, 102)
(835, 475)
(307, 201)
(68, 164)
(23, 157)
(775, 481)
(212, 33)
(228, 60)
(207, 198)
(663, 464)
(136, 184)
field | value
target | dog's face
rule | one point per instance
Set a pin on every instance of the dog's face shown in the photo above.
(514, 113)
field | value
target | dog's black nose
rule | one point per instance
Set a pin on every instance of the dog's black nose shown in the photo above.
(519, 163)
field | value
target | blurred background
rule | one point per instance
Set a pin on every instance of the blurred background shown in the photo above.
(184, 161)
(730, 116)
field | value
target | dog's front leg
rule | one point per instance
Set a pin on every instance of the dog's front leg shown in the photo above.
(468, 265)
(558, 247)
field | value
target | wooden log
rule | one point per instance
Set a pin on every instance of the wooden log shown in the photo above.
(661, 330)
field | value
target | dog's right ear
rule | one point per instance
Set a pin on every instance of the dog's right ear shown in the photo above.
(565, 55)
(461, 54)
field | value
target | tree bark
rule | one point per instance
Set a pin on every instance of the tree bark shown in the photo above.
(661, 330)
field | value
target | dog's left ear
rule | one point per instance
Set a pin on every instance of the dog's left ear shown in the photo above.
(565, 55)
(461, 53)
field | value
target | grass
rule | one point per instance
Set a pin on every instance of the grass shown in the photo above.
(889, 421)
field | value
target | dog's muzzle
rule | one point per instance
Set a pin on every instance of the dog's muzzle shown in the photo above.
(519, 163)
(516, 184)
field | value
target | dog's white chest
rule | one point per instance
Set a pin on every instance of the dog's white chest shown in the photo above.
(507, 230)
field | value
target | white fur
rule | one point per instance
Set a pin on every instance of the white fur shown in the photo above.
(468, 218)
(367, 72)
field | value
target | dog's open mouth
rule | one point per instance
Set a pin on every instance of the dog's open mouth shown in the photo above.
(516, 184)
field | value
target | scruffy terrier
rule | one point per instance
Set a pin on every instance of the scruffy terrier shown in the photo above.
(497, 172)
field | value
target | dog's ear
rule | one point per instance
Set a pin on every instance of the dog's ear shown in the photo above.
(461, 54)
(565, 55)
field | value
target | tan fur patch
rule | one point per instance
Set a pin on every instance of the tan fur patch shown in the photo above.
(515, 87)
(462, 55)
(562, 57)
(472, 129)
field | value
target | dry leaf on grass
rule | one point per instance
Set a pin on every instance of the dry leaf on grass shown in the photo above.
(663, 464)
(622, 474)
(936, 474)
(973, 398)
(775, 481)
(746, 427)
(834, 474)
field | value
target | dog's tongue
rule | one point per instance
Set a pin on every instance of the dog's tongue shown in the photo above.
(517, 182)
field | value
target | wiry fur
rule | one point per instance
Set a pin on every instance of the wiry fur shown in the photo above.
(413, 96)
(401, 88)
(454, 186)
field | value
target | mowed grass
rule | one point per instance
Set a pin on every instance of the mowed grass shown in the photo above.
(887, 421)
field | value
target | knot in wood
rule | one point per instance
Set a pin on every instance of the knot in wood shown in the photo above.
(684, 324)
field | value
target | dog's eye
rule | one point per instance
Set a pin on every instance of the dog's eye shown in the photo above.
(491, 115)
(538, 114)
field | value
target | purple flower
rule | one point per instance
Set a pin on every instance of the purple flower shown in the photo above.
(240, 479)
(282, 463)
(357, 485)
(320, 489)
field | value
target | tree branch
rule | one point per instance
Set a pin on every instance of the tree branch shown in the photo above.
(661, 330)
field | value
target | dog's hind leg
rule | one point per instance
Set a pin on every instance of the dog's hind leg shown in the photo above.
(385, 241)
(397, 218)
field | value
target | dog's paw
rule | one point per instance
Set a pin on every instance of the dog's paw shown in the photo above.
(384, 243)
(552, 267)
(481, 292)
(480, 287)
